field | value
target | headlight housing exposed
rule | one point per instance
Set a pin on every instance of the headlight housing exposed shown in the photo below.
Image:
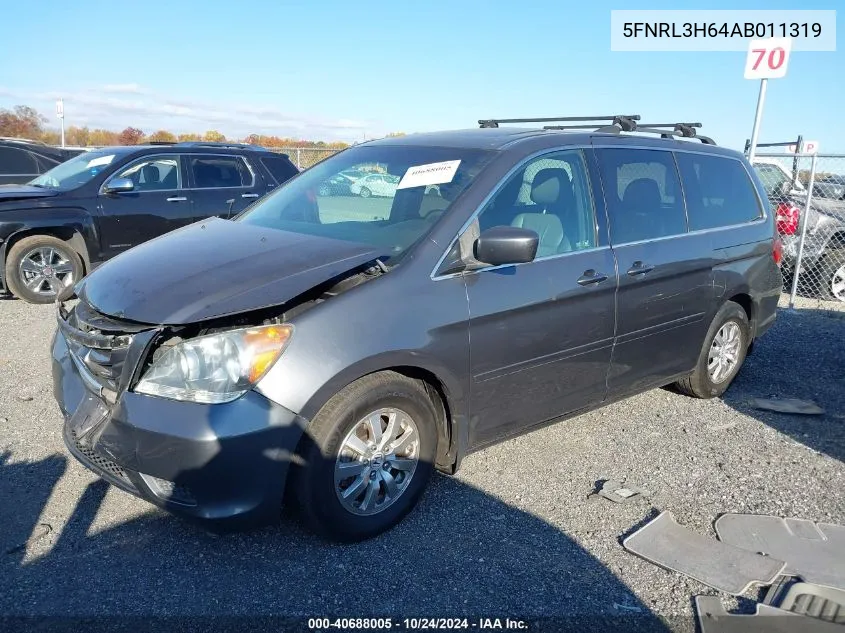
(215, 368)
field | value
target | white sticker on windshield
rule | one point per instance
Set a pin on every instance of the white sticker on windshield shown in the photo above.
(100, 160)
(431, 174)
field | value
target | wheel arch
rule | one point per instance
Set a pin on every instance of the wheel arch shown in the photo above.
(746, 303)
(443, 388)
(76, 229)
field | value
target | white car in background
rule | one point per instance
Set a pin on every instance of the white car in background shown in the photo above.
(375, 185)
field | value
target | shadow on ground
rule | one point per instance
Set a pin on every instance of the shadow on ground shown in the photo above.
(461, 553)
(803, 357)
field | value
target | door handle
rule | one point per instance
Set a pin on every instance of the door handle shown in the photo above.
(177, 199)
(249, 195)
(638, 268)
(591, 277)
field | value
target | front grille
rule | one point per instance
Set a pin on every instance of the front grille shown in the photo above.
(100, 464)
(98, 343)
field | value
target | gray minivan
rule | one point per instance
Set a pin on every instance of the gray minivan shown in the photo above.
(331, 351)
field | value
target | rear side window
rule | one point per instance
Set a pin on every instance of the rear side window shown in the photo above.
(774, 180)
(280, 168)
(643, 194)
(718, 191)
(17, 162)
(213, 172)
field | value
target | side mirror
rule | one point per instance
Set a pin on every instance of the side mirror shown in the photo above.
(118, 185)
(501, 245)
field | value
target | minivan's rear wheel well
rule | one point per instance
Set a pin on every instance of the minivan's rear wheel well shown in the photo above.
(64, 233)
(747, 304)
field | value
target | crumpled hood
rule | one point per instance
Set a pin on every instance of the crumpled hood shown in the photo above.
(216, 268)
(22, 192)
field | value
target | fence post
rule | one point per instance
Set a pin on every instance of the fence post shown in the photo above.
(298, 160)
(804, 222)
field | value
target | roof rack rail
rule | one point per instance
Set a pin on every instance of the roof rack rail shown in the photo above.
(678, 130)
(22, 140)
(221, 144)
(622, 120)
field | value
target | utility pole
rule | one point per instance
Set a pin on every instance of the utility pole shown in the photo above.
(60, 112)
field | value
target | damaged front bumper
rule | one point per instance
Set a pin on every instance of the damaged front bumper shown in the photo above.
(221, 463)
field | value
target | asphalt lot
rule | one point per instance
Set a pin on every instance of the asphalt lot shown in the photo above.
(516, 533)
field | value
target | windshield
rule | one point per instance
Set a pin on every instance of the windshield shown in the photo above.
(74, 172)
(387, 197)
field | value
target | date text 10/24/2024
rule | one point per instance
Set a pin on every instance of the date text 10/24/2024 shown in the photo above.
(417, 624)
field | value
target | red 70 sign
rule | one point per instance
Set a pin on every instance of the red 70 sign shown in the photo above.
(767, 59)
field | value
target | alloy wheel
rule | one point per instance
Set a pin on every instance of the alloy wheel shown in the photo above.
(837, 283)
(46, 271)
(376, 461)
(724, 353)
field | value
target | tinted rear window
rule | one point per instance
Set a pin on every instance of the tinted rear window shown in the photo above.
(642, 192)
(718, 191)
(280, 168)
(17, 162)
(212, 172)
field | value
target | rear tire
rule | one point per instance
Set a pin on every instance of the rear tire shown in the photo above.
(337, 507)
(711, 379)
(41, 268)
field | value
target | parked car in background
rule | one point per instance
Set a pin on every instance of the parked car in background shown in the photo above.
(22, 160)
(331, 355)
(65, 222)
(832, 186)
(823, 255)
(337, 185)
(375, 185)
(352, 174)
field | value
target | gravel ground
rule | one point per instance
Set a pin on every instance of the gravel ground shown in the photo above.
(516, 533)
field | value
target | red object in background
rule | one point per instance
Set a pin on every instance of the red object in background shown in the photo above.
(786, 219)
(777, 250)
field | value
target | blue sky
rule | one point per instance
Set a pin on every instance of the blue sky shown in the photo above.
(328, 69)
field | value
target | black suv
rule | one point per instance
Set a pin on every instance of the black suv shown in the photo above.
(21, 160)
(64, 223)
(332, 351)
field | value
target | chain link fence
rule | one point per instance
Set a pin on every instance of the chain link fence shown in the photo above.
(305, 157)
(807, 197)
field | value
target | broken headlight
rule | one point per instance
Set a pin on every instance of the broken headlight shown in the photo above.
(215, 368)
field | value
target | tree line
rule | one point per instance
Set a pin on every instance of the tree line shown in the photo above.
(26, 122)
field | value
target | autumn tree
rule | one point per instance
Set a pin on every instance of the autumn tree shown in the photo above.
(395, 134)
(213, 136)
(102, 138)
(130, 136)
(79, 136)
(51, 137)
(192, 137)
(22, 122)
(162, 136)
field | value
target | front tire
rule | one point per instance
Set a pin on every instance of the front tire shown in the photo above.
(724, 350)
(366, 458)
(42, 268)
(365, 193)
